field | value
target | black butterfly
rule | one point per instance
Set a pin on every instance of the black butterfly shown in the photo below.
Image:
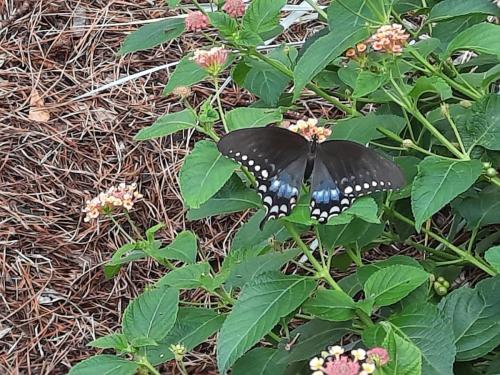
(281, 160)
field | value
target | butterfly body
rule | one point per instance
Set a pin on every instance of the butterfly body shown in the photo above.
(281, 160)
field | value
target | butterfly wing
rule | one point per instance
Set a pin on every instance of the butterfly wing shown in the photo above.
(277, 158)
(345, 170)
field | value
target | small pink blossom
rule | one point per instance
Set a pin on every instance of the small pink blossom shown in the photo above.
(389, 38)
(196, 21)
(378, 354)
(342, 366)
(235, 8)
(212, 60)
(309, 130)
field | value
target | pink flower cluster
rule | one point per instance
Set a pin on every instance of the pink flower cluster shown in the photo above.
(235, 8)
(309, 130)
(389, 38)
(122, 196)
(213, 60)
(196, 21)
(360, 362)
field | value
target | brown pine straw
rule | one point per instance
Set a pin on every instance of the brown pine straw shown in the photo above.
(53, 295)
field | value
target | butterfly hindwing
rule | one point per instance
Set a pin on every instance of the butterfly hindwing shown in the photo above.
(276, 157)
(345, 170)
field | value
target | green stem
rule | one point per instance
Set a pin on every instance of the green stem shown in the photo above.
(495, 180)
(317, 8)
(182, 368)
(219, 105)
(144, 362)
(120, 228)
(464, 255)
(311, 86)
(446, 113)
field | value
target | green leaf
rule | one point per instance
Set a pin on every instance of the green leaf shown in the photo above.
(405, 357)
(445, 31)
(193, 327)
(393, 283)
(434, 84)
(248, 269)
(311, 338)
(480, 38)
(126, 253)
(227, 26)
(454, 8)
(364, 129)
(168, 124)
(331, 305)
(358, 232)
(424, 326)
(247, 117)
(259, 361)
(262, 15)
(183, 248)
(116, 341)
(366, 83)
(261, 304)
(186, 277)
(233, 197)
(152, 34)
(482, 127)
(250, 235)
(152, 314)
(438, 182)
(321, 53)
(352, 15)
(266, 82)
(186, 73)
(104, 365)
(474, 316)
(203, 173)
(492, 256)
(363, 273)
(481, 209)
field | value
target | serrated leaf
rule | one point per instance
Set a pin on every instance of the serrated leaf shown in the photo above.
(357, 232)
(366, 83)
(260, 306)
(186, 73)
(259, 361)
(433, 84)
(203, 173)
(184, 248)
(152, 34)
(233, 197)
(455, 8)
(152, 314)
(227, 26)
(474, 316)
(116, 341)
(322, 52)
(193, 327)
(481, 209)
(168, 124)
(405, 357)
(364, 129)
(248, 117)
(186, 277)
(105, 365)
(262, 15)
(480, 38)
(438, 182)
(424, 326)
(391, 284)
(331, 305)
(363, 273)
(248, 269)
(492, 256)
(352, 15)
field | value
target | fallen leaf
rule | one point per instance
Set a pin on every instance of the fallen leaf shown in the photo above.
(38, 112)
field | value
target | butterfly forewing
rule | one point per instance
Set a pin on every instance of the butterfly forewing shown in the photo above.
(277, 159)
(345, 170)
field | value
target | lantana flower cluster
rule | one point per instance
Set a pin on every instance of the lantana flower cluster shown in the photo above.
(359, 362)
(387, 38)
(121, 196)
(213, 60)
(197, 20)
(309, 129)
(235, 8)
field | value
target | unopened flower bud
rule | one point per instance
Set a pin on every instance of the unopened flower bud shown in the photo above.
(491, 172)
(465, 103)
(407, 143)
(441, 291)
(440, 279)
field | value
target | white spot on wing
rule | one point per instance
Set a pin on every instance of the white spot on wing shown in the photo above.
(268, 200)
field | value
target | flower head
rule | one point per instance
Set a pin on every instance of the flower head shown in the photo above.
(122, 196)
(351, 53)
(358, 354)
(309, 130)
(389, 38)
(182, 91)
(196, 21)
(178, 350)
(368, 368)
(235, 8)
(379, 356)
(212, 60)
(342, 366)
